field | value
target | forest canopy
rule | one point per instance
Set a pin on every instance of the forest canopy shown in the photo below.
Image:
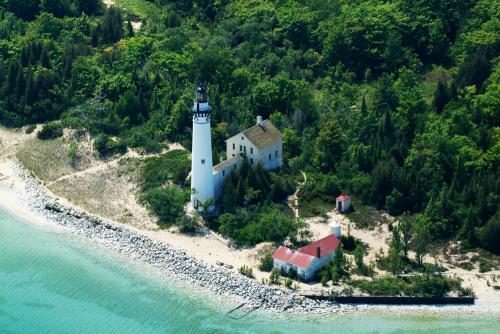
(396, 102)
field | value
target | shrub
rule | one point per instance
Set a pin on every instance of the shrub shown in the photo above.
(29, 129)
(186, 224)
(257, 224)
(50, 131)
(490, 234)
(166, 203)
(106, 146)
(288, 283)
(246, 271)
(274, 278)
(418, 285)
(266, 263)
(174, 165)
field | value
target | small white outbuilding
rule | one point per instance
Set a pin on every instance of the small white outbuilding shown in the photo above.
(343, 203)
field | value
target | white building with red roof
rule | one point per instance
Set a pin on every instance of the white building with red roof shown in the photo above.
(307, 260)
(343, 203)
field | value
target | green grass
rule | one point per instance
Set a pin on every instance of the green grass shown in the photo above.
(48, 159)
(140, 8)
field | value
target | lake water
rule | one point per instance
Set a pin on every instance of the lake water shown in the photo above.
(56, 282)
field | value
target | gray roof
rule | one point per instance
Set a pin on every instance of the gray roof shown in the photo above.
(219, 167)
(264, 134)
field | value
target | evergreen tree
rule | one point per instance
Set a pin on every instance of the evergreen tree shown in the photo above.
(364, 108)
(44, 58)
(20, 84)
(12, 74)
(112, 25)
(405, 225)
(130, 29)
(358, 257)
(338, 265)
(441, 96)
(395, 251)
(229, 197)
(31, 93)
(421, 238)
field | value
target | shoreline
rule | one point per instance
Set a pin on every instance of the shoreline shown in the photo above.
(31, 202)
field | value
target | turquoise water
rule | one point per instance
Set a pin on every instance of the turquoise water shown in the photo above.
(56, 282)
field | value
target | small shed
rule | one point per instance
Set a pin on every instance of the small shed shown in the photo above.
(343, 203)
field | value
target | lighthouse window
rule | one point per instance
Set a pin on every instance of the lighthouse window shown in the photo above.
(242, 138)
(241, 148)
(223, 173)
(251, 161)
(276, 154)
(202, 161)
(251, 150)
(269, 156)
(234, 146)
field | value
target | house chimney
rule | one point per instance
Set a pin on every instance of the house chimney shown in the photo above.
(318, 252)
(259, 120)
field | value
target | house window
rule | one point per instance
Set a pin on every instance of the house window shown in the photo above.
(251, 161)
(223, 173)
(276, 154)
(241, 148)
(245, 149)
(202, 161)
(233, 155)
(234, 146)
(269, 156)
(251, 150)
(242, 138)
(234, 167)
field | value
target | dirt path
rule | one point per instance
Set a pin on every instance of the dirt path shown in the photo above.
(293, 200)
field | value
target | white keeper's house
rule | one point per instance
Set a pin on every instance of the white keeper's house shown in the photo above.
(260, 144)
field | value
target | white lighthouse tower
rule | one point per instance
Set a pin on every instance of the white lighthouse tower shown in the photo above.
(202, 184)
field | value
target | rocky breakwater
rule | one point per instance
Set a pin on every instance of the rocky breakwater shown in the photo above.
(172, 262)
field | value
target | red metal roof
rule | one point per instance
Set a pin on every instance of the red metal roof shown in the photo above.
(305, 255)
(327, 245)
(297, 258)
(343, 198)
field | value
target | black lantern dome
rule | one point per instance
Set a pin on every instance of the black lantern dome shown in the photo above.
(201, 106)
(201, 95)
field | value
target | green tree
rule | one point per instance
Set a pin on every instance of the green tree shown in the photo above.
(406, 223)
(441, 96)
(421, 238)
(395, 249)
(490, 233)
(112, 25)
(329, 147)
(339, 264)
(358, 257)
